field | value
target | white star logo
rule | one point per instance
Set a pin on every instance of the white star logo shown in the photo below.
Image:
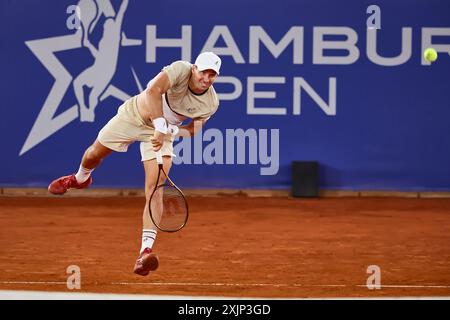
(47, 123)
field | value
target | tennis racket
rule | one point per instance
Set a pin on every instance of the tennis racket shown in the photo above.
(167, 206)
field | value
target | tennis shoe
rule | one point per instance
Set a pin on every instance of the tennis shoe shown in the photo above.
(146, 262)
(61, 185)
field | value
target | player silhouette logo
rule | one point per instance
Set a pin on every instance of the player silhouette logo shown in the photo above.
(94, 84)
(98, 76)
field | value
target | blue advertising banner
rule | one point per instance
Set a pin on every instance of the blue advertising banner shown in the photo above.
(343, 83)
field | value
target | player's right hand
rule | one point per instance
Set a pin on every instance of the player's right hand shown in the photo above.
(157, 140)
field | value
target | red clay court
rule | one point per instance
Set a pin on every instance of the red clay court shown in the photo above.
(233, 246)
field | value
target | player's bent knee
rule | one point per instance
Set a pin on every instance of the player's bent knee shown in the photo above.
(149, 189)
(97, 151)
(92, 154)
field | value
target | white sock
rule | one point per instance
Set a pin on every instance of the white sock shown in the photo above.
(148, 238)
(83, 174)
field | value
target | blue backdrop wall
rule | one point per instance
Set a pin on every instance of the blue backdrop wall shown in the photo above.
(300, 80)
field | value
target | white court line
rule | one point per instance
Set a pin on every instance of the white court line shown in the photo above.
(43, 295)
(271, 285)
(204, 284)
(229, 284)
(33, 282)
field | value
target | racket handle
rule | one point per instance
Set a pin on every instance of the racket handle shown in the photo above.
(159, 157)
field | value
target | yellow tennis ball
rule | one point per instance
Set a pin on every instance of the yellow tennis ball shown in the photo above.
(430, 55)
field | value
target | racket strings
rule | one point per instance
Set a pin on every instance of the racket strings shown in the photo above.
(168, 208)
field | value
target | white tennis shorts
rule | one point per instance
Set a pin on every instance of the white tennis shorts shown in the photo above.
(126, 127)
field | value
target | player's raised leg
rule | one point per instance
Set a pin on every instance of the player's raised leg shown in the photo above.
(148, 260)
(82, 179)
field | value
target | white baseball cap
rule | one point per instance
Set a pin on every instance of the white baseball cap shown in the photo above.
(208, 60)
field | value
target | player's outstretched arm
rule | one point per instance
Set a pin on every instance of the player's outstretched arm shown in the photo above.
(151, 102)
(152, 96)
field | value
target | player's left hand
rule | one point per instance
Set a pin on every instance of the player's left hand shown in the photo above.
(172, 130)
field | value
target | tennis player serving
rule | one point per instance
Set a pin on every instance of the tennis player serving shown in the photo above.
(181, 91)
